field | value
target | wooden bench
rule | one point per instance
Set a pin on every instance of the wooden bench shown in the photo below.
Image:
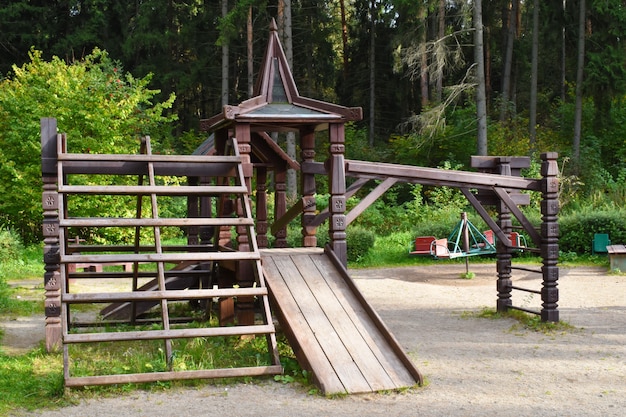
(422, 245)
(617, 257)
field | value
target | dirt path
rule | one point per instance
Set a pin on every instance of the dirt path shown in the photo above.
(474, 367)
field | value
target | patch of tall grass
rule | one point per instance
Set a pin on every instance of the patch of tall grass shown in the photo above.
(31, 381)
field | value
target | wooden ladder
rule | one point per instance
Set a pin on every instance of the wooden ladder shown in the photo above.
(105, 177)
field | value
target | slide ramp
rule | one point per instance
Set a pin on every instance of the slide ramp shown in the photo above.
(334, 332)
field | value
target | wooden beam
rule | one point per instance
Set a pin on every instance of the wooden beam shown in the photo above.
(159, 257)
(527, 225)
(167, 334)
(433, 176)
(486, 217)
(291, 214)
(112, 297)
(170, 375)
(350, 191)
(186, 169)
(160, 222)
(183, 190)
(370, 199)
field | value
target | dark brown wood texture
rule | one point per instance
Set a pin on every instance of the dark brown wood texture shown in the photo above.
(339, 337)
(191, 263)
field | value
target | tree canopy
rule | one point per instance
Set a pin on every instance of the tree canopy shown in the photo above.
(412, 62)
(102, 108)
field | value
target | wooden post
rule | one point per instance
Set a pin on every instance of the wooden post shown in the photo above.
(280, 205)
(51, 254)
(503, 263)
(245, 269)
(309, 239)
(192, 211)
(337, 204)
(261, 207)
(550, 237)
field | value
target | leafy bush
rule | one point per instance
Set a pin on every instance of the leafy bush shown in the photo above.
(360, 241)
(577, 229)
(101, 108)
(10, 246)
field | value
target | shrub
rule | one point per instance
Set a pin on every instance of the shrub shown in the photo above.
(360, 241)
(10, 246)
(100, 107)
(577, 229)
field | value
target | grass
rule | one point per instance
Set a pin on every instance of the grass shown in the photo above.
(31, 381)
(35, 380)
(524, 320)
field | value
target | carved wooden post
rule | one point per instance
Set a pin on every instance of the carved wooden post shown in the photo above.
(503, 264)
(337, 204)
(192, 211)
(261, 206)
(550, 237)
(309, 239)
(280, 205)
(245, 275)
(51, 255)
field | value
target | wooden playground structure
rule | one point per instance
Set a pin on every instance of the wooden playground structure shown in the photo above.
(227, 265)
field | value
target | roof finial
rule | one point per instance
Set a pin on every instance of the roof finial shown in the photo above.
(273, 26)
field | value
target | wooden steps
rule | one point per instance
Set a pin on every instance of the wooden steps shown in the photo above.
(174, 274)
(333, 330)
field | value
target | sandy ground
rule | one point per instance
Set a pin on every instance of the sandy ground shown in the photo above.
(473, 366)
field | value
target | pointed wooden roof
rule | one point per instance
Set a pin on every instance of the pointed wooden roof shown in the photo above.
(276, 104)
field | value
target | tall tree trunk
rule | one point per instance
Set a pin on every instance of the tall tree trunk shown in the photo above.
(481, 99)
(372, 123)
(287, 40)
(424, 58)
(578, 112)
(441, 32)
(508, 61)
(533, 77)
(250, 39)
(225, 61)
(344, 38)
(563, 55)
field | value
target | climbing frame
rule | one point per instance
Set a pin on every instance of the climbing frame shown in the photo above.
(178, 273)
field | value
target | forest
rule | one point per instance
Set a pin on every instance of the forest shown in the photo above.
(438, 81)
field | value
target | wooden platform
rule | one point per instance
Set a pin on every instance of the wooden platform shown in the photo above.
(617, 257)
(334, 332)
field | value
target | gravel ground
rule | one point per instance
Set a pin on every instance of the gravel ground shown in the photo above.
(473, 366)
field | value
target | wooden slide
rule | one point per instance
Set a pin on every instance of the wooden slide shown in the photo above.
(334, 332)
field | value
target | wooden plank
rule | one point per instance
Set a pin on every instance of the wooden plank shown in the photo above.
(370, 199)
(374, 317)
(139, 190)
(433, 176)
(320, 324)
(160, 222)
(159, 295)
(160, 257)
(198, 159)
(344, 320)
(168, 334)
(208, 169)
(377, 342)
(171, 375)
(616, 249)
(295, 322)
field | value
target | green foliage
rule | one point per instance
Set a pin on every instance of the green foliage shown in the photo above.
(360, 241)
(31, 381)
(101, 108)
(10, 246)
(525, 320)
(509, 138)
(577, 228)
